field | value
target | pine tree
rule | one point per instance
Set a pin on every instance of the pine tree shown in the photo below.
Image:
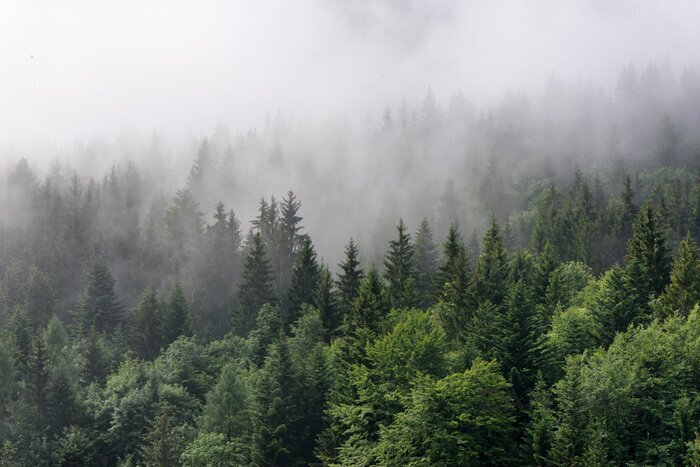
(226, 410)
(683, 292)
(349, 277)
(220, 268)
(426, 259)
(371, 304)
(256, 289)
(289, 224)
(570, 439)
(492, 267)
(326, 299)
(400, 269)
(628, 210)
(176, 320)
(648, 248)
(200, 168)
(274, 414)
(160, 446)
(518, 327)
(38, 380)
(148, 320)
(99, 305)
(305, 277)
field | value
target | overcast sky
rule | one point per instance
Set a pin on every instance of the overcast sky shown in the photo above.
(73, 69)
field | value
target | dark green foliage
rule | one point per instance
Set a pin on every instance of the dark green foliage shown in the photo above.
(274, 411)
(99, 307)
(176, 320)
(256, 289)
(463, 419)
(453, 283)
(326, 299)
(426, 263)
(683, 291)
(647, 247)
(349, 277)
(400, 269)
(148, 324)
(371, 304)
(305, 278)
(492, 267)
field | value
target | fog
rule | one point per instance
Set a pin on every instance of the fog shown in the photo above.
(76, 69)
(368, 110)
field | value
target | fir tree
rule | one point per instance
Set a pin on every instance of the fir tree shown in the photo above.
(99, 306)
(148, 321)
(400, 269)
(200, 168)
(371, 304)
(160, 445)
(274, 414)
(38, 380)
(492, 268)
(176, 319)
(426, 260)
(326, 299)
(305, 277)
(648, 248)
(349, 277)
(683, 291)
(256, 289)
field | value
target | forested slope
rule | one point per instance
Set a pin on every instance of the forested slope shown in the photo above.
(537, 308)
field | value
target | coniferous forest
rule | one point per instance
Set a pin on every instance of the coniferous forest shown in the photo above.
(447, 281)
(545, 316)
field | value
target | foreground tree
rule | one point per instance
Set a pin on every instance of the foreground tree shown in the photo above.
(256, 289)
(400, 269)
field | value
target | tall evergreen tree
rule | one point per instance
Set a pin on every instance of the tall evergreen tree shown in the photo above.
(492, 267)
(38, 380)
(326, 299)
(200, 168)
(400, 269)
(647, 247)
(305, 279)
(371, 304)
(349, 277)
(274, 414)
(256, 289)
(683, 292)
(176, 316)
(99, 305)
(426, 262)
(148, 319)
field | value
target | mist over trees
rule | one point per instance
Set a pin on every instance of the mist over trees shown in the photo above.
(441, 285)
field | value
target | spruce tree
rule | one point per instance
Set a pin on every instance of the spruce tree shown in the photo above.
(200, 168)
(305, 277)
(683, 292)
(349, 277)
(176, 320)
(256, 289)
(426, 262)
(38, 380)
(99, 307)
(492, 267)
(371, 304)
(648, 248)
(274, 414)
(326, 299)
(400, 269)
(148, 319)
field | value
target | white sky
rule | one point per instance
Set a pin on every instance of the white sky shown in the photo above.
(71, 69)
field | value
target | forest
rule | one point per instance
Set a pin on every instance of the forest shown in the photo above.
(515, 285)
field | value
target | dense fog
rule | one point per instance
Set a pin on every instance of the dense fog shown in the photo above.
(370, 232)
